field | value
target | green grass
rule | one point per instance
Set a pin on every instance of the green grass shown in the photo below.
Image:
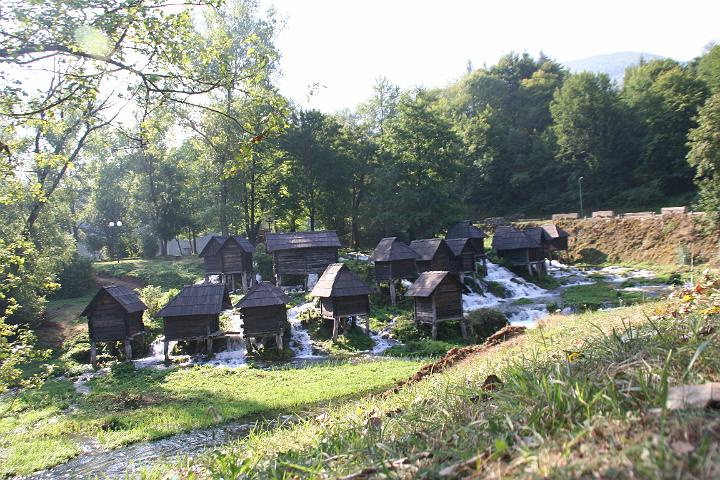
(423, 348)
(580, 397)
(352, 341)
(523, 301)
(160, 272)
(592, 296)
(130, 405)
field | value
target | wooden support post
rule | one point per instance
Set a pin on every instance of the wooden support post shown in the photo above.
(166, 349)
(336, 328)
(210, 346)
(244, 282)
(128, 350)
(278, 341)
(248, 346)
(392, 292)
(463, 328)
(434, 330)
(278, 280)
(232, 282)
(530, 272)
(93, 354)
(367, 325)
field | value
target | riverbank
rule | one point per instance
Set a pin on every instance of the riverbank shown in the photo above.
(125, 405)
(579, 395)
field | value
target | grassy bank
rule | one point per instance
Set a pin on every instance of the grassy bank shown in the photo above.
(43, 428)
(160, 272)
(578, 396)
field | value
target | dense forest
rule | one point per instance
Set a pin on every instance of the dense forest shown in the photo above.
(168, 120)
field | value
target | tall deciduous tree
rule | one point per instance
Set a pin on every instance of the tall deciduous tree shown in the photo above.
(704, 155)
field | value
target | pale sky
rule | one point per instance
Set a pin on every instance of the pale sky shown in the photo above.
(343, 45)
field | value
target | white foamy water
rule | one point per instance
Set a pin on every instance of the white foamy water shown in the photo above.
(515, 287)
(156, 355)
(235, 354)
(300, 340)
(382, 344)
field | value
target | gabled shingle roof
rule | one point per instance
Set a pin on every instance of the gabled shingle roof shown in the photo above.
(204, 299)
(464, 229)
(457, 245)
(427, 282)
(391, 249)
(212, 246)
(292, 240)
(127, 298)
(264, 294)
(553, 231)
(537, 234)
(339, 281)
(510, 238)
(242, 242)
(426, 248)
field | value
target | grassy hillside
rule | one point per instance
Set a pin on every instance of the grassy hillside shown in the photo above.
(660, 240)
(580, 396)
(160, 272)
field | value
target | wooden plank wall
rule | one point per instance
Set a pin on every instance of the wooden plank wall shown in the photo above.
(448, 300)
(303, 261)
(107, 320)
(424, 312)
(188, 326)
(212, 264)
(234, 259)
(259, 320)
(351, 306)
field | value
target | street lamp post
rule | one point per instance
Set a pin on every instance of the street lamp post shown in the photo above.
(580, 189)
(113, 240)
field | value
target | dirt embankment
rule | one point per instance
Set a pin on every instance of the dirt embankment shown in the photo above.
(663, 240)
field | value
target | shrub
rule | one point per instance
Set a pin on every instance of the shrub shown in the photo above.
(263, 262)
(155, 299)
(75, 278)
(405, 329)
(149, 244)
(486, 321)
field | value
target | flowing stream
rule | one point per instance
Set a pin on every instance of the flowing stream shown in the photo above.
(525, 303)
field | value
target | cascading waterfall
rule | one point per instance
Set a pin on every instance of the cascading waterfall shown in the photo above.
(299, 338)
(235, 353)
(515, 287)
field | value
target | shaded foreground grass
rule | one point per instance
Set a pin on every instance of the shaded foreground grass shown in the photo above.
(581, 396)
(48, 426)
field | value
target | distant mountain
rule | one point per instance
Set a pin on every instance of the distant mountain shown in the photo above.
(614, 64)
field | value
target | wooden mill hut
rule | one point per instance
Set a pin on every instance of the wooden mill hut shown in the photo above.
(237, 260)
(264, 313)
(342, 294)
(194, 314)
(433, 254)
(212, 260)
(465, 229)
(437, 298)
(115, 313)
(463, 255)
(520, 248)
(557, 238)
(394, 260)
(301, 253)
